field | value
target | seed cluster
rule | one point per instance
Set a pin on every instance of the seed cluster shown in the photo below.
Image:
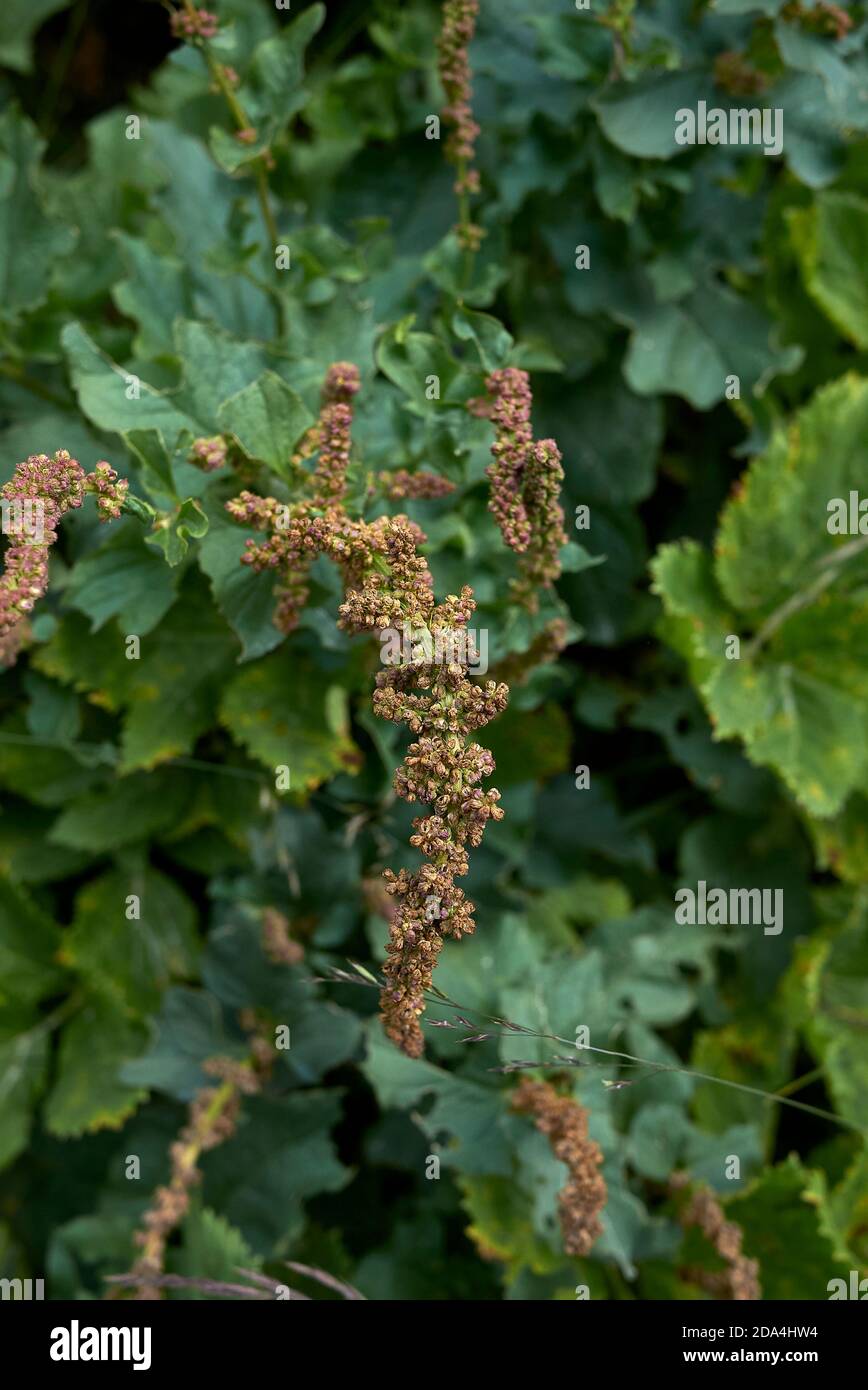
(442, 770)
(317, 523)
(456, 34)
(526, 478)
(40, 490)
(194, 24)
(388, 586)
(212, 1118)
(208, 454)
(277, 943)
(565, 1124)
(421, 485)
(739, 1281)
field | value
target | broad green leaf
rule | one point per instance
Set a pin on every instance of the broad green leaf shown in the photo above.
(282, 1154)
(245, 599)
(168, 692)
(795, 691)
(189, 1029)
(832, 242)
(123, 579)
(836, 987)
(640, 118)
(215, 366)
(156, 292)
(24, 1055)
(131, 934)
(30, 242)
(238, 972)
(125, 812)
(87, 1094)
(267, 419)
(473, 1115)
(19, 20)
(212, 1249)
(696, 347)
(288, 713)
(29, 943)
(754, 1052)
(780, 1213)
(420, 364)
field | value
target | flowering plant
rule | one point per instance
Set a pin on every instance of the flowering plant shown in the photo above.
(433, 550)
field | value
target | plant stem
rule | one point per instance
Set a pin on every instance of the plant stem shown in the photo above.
(242, 121)
(155, 1238)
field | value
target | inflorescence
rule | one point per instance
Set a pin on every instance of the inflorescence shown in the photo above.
(564, 1122)
(456, 34)
(388, 587)
(37, 495)
(739, 1278)
(526, 478)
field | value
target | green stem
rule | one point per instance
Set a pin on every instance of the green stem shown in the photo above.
(242, 121)
(141, 510)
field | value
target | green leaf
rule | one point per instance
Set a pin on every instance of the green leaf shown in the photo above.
(174, 531)
(24, 1057)
(281, 1155)
(30, 242)
(188, 1030)
(781, 1212)
(215, 365)
(413, 361)
(693, 347)
(271, 90)
(796, 694)
(127, 810)
(832, 241)
(837, 1010)
(212, 1249)
(169, 692)
(87, 1094)
(640, 117)
(262, 710)
(19, 20)
(487, 334)
(29, 943)
(238, 972)
(156, 292)
(473, 1115)
(123, 579)
(267, 419)
(126, 958)
(151, 452)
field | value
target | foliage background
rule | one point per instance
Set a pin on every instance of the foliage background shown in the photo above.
(156, 777)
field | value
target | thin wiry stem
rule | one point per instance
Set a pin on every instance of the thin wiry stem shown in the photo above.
(436, 996)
